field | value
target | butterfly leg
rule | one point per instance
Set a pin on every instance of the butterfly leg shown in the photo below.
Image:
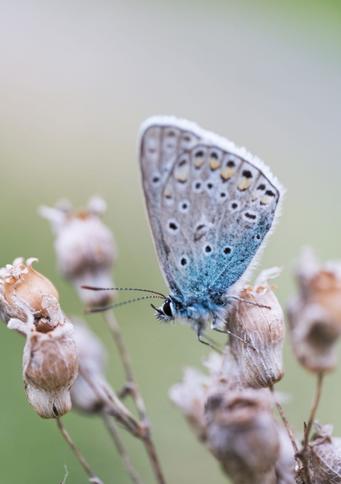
(209, 342)
(233, 335)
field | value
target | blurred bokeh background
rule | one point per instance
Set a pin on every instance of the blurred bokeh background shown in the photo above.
(76, 80)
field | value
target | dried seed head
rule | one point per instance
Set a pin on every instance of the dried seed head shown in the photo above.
(324, 456)
(50, 366)
(315, 314)
(91, 355)
(85, 249)
(190, 396)
(260, 359)
(192, 393)
(24, 291)
(243, 435)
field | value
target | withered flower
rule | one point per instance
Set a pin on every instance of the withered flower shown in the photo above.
(92, 356)
(50, 366)
(243, 435)
(191, 395)
(315, 313)
(29, 304)
(85, 249)
(258, 332)
(324, 456)
(23, 291)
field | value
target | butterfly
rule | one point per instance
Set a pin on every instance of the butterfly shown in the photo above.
(211, 206)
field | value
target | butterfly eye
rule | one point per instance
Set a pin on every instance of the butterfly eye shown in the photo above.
(167, 308)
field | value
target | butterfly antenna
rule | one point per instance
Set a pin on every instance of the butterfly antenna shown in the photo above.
(95, 288)
(123, 303)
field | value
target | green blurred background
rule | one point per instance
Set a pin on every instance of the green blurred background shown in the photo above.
(76, 80)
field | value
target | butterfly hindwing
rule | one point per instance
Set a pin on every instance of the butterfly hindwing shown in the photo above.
(210, 205)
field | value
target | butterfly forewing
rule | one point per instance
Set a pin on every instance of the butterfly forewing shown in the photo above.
(210, 205)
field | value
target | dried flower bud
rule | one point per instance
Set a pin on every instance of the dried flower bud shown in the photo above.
(50, 366)
(91, 355)
(190, 396)
(260, 335)
(24, 290)
(243, 435)
(315, 314)
(192, 393)
(324, 457)
(85, 249)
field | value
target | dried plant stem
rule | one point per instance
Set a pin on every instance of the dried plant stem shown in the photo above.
(114, 406)
(285, 421)
(81, 459)
(125, 359)
(313, 410)
(109, 424)
(136, 395)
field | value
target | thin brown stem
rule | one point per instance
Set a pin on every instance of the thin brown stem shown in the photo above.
(285, 421)
(153, 458)
(114, 406)
(126, 363)
(313, 410)
(131, 384)
(81, 459)
(109, 424)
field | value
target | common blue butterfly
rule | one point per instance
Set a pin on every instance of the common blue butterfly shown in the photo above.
(211, 206)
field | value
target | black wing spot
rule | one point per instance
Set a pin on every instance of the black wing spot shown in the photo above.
(214, 155)
(209, 185)
(173, 226)
(230, 164)
(270, 193)
(199, 154)
(227, 250)
(234, 205)
(247, 173)
(261, 187)
(183, 261)
(156, 179)
(251, 216)
(208, 249)
(223, 195)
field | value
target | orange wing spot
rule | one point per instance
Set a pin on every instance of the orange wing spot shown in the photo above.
(227, 173)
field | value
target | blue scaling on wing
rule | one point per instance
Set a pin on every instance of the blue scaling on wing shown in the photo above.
(210, 205)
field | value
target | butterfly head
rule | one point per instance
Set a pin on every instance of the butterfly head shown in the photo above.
(167, 311)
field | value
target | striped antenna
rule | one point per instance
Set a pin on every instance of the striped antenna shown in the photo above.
(95, 288)
(117, 305)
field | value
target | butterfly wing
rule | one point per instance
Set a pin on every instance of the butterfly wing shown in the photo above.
(210, 205)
